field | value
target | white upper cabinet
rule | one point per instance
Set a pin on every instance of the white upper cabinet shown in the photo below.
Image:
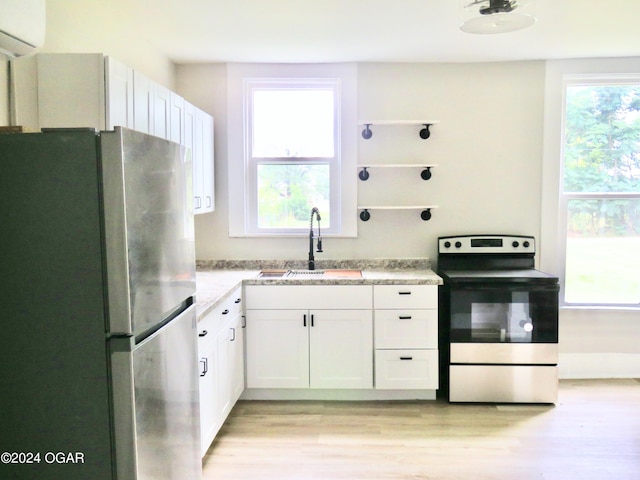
(142, 103)
(177, 119)
(77, 90)
(161, 111)
(204, 138)
(119, 91)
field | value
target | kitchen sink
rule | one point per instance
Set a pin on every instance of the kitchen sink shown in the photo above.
(304, 274)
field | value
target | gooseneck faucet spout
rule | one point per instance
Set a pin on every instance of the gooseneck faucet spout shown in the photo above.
(312, 262)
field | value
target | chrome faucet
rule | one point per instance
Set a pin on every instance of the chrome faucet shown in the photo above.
(312, 262)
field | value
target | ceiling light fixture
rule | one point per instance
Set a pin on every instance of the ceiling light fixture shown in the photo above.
(496, 16)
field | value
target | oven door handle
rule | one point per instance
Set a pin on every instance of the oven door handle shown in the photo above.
(502, 286)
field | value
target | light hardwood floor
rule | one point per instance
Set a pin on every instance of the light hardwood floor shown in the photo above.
(592, 433)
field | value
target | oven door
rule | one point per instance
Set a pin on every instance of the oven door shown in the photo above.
(503, 312)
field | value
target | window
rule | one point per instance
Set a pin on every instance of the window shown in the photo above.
(292, 153)
(600, 190)
(292, 145)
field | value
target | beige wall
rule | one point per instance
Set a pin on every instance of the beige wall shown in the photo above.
(96, 26)
(488, 146)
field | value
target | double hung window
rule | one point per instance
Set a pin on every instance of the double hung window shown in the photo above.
(292, 153)
(600, 190)
(292, 145)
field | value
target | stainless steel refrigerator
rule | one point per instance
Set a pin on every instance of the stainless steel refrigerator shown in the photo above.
(98, 360)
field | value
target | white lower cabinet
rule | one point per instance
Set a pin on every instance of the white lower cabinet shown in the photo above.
(406, 336)
(208, 383)
(221, 358)
(303, 336)
(406, 369)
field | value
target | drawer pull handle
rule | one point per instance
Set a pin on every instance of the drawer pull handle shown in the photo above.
(404, 293)
(205, 363)
(225, 311)
(406, 358)
(203, 333)
(238, 300)
(405, 317)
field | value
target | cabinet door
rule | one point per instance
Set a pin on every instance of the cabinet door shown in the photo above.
(341, 351)
(176, 130)
(223, 392)
(208, 384)
(142, 103)
(277, 349)
(161, 110)
(119, 91)
(189, 142)
(236, 360)
(203, 154)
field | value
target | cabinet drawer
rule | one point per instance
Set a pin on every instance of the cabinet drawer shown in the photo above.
(406, 328)
(405, 296)
(230, 307)
(311, 297)
(406, 369)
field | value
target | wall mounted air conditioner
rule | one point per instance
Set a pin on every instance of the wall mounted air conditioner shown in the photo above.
(22, 26)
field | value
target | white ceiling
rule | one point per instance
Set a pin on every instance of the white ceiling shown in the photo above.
(377, 31)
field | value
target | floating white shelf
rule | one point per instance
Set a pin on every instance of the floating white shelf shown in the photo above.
(396, 207)
(425, 214)
(425, 131)
(398, 122)
(397, 165)
(425, 174)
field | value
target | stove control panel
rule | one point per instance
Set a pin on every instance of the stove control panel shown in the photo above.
(495, 244)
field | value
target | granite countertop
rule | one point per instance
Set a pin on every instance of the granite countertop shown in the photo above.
(216, 279)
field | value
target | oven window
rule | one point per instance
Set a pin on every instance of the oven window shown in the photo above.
(504, 315)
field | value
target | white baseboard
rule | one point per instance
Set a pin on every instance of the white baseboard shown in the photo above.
(320, 394)
(599, 365)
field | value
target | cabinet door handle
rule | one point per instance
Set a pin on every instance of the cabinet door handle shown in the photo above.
(312, 321)
(203, 333)
(205, 363)
(233, 333)
(244, 321)
(225, 311)
(404, 293)
(406, 358)
(404, 317)
(304, 320)
(208, 201)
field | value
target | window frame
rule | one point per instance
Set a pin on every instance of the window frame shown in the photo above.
(561, 75)
(251, 85)
(345, 222)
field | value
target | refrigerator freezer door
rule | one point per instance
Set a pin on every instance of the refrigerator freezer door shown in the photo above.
(148, 229)
(156, 409)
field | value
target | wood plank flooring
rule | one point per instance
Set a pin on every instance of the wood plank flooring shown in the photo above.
(592, 433)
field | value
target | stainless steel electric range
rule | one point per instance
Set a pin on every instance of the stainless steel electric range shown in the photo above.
(498, 321)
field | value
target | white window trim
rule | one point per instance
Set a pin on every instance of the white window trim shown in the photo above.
(553, 212)
(237, 140)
